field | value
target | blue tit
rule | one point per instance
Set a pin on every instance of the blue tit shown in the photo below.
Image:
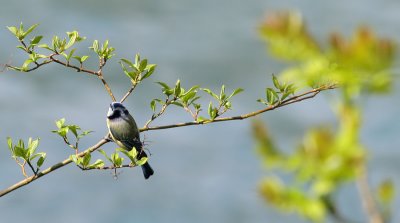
(125, 133)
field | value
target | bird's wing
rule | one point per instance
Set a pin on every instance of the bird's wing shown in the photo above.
(127, 134)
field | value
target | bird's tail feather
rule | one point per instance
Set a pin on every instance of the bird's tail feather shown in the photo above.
(147, 170)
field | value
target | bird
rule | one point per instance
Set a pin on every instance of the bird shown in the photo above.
(125, 133)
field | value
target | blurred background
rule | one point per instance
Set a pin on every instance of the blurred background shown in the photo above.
(202, 174)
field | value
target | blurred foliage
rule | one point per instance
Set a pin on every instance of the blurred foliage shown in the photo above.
(306, 180)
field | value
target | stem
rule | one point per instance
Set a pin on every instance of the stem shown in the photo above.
(367, 198)
(128, 93)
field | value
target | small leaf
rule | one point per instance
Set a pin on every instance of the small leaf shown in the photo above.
(222, 93)
(83, 58)
(276, 82)
(13, 30)
(272, 96)
(235, 92)
(177, 103)
(86, 159)
(127, 62)
(105, 155)
(45, 46)
(142, 161)
(60, 123)
(210, 93)
(177, 90)
(99, 163)
(20, 152)
(143, 64)
(36, 40)
(153, 105)
(30, 29)
(40, 161)
(137, 59)
(164, 85)
(9, 143)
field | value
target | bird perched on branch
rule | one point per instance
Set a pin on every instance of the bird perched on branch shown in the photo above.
(125, 133)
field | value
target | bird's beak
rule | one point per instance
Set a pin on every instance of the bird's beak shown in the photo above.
(110, 111)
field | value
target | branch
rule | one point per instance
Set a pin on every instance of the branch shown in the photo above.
(51, 169)
(128, 93)
(294, 99)
(307, 95)
(366, 197)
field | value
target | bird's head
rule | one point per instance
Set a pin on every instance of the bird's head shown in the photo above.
(116, 110)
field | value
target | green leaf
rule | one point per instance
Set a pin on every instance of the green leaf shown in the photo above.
(201, 118)
(26, 64)
(210, 93)
(77, 160)
(222, 93)
(13, 30)
(276, 82)
(127, 62)
(130, 154)
(20, 152)
(29, 30)
(45, 46)
(105, 155)
(164, 85)
(143, 64)
(272, 96)
(386, 192)
(74, 129)
(72, 39)
(137, 59)
(83, 58)
(177, 103)
(187, 96)
(142, 161)
(235, 92)
(95, 46)
(9, 143)
(177, 90)
(86, 159)
(36, 40)
(153, 105)
(68, 57)
(97, 164)
(150, 70)
(32, 145)
(60, 123)
(40, 161)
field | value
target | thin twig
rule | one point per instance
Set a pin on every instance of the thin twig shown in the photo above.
(108, 167)
(163, 108)
(128, 93)
(367, 198)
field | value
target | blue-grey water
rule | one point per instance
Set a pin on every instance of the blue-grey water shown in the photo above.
(203, 174)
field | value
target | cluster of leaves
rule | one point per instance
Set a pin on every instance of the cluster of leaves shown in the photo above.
(186, 99)
(58, 46)
(104, 52)
(279, 94)
(361, 64)
(137, 71)
(117, 161)
(26, 154)
(327, 158)
(64, 129)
